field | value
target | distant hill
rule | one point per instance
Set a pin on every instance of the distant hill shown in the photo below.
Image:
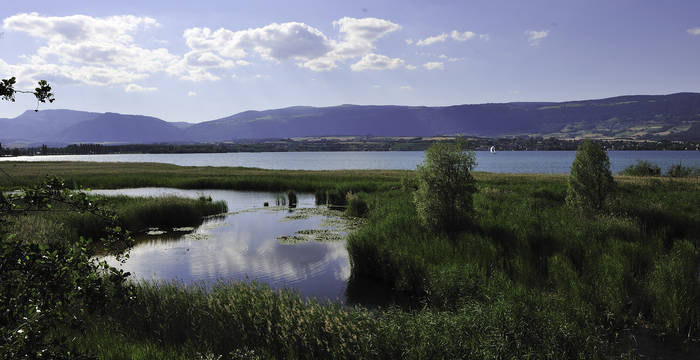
(640, 116)
(673, 117)
(41, 125)
(118, 128)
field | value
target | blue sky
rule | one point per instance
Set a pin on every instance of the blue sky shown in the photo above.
(198, 61)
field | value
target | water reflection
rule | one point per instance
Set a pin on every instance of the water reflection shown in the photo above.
(243, 245)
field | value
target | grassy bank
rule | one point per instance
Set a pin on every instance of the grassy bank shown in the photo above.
(239, 320)
(135, 213)
(123, 175)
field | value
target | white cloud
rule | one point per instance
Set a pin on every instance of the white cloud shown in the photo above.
(406, 87)
(535, 36)
(299, 42)
(442, 56)
(138, 88)
(408, 41)
(694, 31)
(454, 59)
(291, 40)
(462, 36)
(432, 40)
(376, 62)
(454, 35)
(191, 93)
(104, 51)
(35, 69)
(376, 86)
(92, 50)
(78, 28)
(410, 67)
(434, 65)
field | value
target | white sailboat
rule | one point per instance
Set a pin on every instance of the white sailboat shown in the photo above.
(493, 149)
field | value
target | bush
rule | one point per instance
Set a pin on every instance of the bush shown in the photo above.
(445, 187)
(679, 170)
(357, 207)
(642, 168)
(590, 180)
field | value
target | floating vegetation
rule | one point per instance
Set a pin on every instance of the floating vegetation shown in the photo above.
(343, 223)
(305, 213)
(292, 239)
(196, 236)
(334, 227)
(308, 235)
(155, 232)
(183, 229)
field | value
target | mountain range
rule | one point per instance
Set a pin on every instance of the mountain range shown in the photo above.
(672, 117)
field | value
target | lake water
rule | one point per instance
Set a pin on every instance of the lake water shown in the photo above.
(251, 242)
(549, 162)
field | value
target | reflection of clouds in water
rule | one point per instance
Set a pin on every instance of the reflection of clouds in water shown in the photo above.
(245, 245)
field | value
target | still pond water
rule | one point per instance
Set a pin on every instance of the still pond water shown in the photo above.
(548, 162)
(250, 242)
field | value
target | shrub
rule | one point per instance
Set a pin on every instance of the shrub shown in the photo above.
(679, 170)
(642, 168)
(357, 207)
(590, 180)
(445, 187)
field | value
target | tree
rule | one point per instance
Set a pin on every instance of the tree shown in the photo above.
(445, 187)
(590, 180)
(47, 287)
(42, 92)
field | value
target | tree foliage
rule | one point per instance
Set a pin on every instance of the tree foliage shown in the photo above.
(445, 187)
(590, 180)
(49, 288)
(42, 92)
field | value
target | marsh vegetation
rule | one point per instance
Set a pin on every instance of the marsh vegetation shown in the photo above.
(525, 273)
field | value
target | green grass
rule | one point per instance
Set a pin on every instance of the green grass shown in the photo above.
(136, 214)
(122, 175)
(236, 318)
(634, 264)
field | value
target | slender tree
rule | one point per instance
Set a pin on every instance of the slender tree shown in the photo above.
(590, 180)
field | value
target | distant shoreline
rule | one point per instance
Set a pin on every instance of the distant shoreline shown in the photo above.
(346, 143)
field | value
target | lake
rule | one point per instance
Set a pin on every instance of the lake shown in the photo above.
(301, 248)
(548, 162)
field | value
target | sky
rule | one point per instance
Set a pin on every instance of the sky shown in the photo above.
(203, 60)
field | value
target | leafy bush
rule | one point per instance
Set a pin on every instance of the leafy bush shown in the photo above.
(678, 171)
(642, 168)
(445, 187)
(49, 287)
(590, 180)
